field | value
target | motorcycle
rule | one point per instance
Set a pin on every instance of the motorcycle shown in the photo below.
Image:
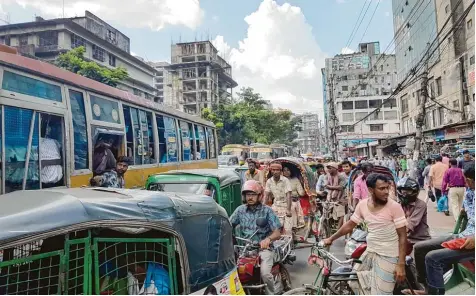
(248, 262)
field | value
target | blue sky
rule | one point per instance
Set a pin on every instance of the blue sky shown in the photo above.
(291, 38)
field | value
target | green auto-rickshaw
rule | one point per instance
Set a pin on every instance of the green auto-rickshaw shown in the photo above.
(224, 185)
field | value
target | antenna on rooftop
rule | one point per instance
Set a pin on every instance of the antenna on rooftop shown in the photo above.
(63, 8)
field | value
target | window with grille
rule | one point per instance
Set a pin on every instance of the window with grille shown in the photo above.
(389, 115)
(390, 103)
(347, 128)
(348, 105)
(377, 116)
(375, 103)
(347, 117)
(77, 41)
(360, 115)
(439, 88)
(376, 127)
(98, 53)
(112, 60)
(404, 104)
(361, 104)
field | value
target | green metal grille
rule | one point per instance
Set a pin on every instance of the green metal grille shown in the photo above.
(78, 266)
(35, 274)
(115, 257)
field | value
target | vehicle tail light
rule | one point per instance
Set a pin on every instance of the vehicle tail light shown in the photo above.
(359, 251)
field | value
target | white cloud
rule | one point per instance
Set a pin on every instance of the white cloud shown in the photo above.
(279, 57)
(154, 14)
(346, 50)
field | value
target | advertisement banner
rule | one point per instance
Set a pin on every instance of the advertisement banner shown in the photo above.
(229, 285)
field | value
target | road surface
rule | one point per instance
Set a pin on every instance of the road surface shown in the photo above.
(302, 273)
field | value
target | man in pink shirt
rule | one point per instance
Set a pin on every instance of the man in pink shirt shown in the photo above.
(445, 159)
(383, 262)
(360, 187)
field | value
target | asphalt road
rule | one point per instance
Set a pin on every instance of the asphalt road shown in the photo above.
(302, 273)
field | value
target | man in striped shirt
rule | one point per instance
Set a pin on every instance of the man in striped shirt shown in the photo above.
(383, 263)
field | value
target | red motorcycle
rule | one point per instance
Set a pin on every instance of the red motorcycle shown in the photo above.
(248, 262)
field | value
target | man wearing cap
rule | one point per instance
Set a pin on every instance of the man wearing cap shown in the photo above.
(280, 188)
(335, 184)
(253, 173)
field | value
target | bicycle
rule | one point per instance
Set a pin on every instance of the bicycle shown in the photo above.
(336, 282)
(326, 224)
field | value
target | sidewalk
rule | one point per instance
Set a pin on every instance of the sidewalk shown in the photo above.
(439, 223)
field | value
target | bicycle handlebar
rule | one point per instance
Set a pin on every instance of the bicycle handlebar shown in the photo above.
(320, 245)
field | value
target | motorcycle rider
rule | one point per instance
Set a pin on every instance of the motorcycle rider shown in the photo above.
(246, 216)
(415, 210)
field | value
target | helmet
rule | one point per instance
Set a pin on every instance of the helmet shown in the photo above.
(408, 184)
(252, 186)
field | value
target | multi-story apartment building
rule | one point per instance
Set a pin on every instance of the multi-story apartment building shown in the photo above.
(200, 76)
(357, 84)
(163, 81)
(47, 39)
(308, 137)
(449, 113)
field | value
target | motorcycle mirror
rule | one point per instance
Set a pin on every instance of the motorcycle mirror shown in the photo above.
(261, 222)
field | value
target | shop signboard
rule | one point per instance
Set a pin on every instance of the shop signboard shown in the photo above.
(439, 135)
(453, 133)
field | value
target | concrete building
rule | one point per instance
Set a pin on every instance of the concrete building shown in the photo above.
(163, 81)
(47, 39)
(450, 109)
(200, 76)
(356, 84)
(308, 138)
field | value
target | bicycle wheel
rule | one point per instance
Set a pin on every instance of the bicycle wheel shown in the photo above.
(299, 291)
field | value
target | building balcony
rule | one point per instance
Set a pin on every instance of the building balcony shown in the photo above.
(46, 48)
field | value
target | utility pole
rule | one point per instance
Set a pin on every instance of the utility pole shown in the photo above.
(420, 118)
(332, 116)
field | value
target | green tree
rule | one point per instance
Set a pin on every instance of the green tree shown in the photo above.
(75, 62)
(247, 120)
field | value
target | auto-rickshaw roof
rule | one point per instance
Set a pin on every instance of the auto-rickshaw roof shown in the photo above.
(224, 176)
(28, 212)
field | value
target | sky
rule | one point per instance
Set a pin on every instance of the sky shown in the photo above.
(276, 47)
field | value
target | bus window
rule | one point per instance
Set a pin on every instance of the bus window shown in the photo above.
(202, 144)
(211, 143)
(167, 139)
(107, 148)
(105, 110)
(32, 87)
(139, 135)
(78, 113)
(186, 144)
(51, 147)
(22, 126)
(193, 144)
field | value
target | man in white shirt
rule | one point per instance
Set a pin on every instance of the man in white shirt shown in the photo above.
(50, 150)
